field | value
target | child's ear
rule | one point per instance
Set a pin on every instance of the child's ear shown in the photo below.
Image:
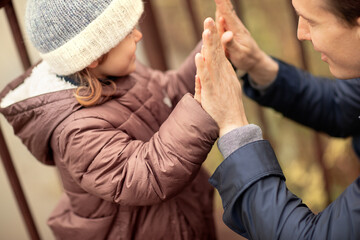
(94, 64)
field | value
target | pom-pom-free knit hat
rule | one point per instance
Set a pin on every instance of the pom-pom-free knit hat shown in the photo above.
(71, 34)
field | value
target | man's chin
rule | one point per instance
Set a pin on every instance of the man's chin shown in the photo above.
(342, 74)
(334, 72)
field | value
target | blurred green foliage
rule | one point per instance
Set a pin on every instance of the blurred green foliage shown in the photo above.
(273, 26)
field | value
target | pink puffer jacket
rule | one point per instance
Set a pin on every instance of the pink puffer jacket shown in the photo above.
(131, 167)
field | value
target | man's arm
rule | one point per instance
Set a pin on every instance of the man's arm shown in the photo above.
(258, 205)
(330, 106)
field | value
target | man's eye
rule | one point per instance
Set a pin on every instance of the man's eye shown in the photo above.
(311, 23)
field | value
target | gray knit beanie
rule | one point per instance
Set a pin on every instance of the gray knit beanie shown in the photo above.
(71, 34)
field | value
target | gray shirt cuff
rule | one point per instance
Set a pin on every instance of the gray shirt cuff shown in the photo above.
(239, 137)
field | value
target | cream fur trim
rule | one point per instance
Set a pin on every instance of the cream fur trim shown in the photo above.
(42, 80)
(99, 37)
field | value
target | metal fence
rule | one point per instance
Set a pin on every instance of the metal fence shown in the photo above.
(157, 57)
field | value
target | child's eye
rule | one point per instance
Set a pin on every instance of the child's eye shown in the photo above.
(130, 34)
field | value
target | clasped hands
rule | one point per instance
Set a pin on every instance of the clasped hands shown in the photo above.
(217, 88)
(216, 85)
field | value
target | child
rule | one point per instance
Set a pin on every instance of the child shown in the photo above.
(128, 142)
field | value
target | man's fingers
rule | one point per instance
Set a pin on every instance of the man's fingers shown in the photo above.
(227, 40)
(211, 38)
(226, 10)
(220, 23)
(223, 22)
(208, 47)
(199, 62)
(210, 25)
(201, 69)
(197, 94)
(224, 6)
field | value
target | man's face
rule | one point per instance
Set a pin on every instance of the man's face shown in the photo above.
(338, 43)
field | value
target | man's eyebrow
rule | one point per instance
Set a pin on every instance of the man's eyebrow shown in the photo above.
(299, 14)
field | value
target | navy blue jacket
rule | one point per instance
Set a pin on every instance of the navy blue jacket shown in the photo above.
(329, 106)
(257, 203)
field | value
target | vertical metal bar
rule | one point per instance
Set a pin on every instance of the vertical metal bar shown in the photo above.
(319, 148)
(17, 189)
(4, 151)
(152, 41)
(197, 30)
(19, 41)
(4, 2)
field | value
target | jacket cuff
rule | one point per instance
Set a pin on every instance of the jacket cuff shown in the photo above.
(253, 90)
(244, 167)
(239, 137)
(261, 89)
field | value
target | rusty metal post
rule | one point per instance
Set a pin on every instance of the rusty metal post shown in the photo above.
(197, 30)
(17, 189)
(4, 151)
(152, 41)
(15, 29)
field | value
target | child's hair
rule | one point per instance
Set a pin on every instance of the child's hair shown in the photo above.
(90, 90)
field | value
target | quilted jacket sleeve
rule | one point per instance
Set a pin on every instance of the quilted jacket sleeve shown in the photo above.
(331, 106)
(258, 205)
(109, 164)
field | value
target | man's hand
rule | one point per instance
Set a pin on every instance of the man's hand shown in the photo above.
(241, 48)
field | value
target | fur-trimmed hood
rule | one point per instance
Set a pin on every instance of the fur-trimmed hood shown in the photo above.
(40, 81)
(28, 97)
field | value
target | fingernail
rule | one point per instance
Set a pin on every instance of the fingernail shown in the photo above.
(207, 32)
(208, 19)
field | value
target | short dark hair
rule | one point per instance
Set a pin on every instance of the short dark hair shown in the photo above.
(347, 10)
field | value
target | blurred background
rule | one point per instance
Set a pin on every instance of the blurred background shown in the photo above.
(318, 168)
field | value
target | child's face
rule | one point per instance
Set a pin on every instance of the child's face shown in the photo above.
(120, 61)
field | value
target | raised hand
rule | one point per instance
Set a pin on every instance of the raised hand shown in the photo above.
(219, 89)
(240, 46)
